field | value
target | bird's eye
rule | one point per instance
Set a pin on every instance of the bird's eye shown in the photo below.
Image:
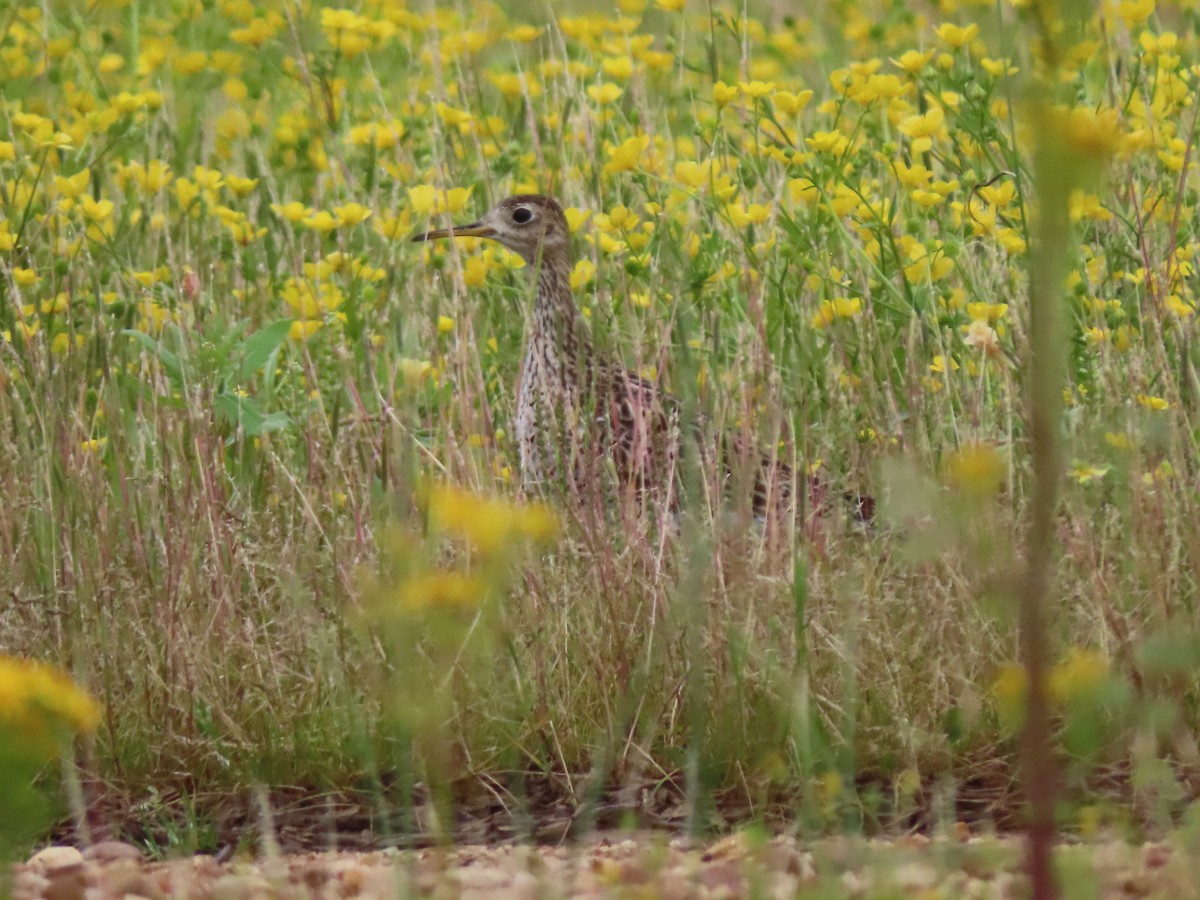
(521, 215)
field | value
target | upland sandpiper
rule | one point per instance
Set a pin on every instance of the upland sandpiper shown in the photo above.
(575, 408)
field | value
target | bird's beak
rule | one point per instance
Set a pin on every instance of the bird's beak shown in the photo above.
(472, 229)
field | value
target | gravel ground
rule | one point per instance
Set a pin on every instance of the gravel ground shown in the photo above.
(637, 865)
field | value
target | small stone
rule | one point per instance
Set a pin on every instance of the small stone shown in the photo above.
(111, 851)
(723, 876)
(1155, 856)
(127, 881)
(55, 858)
(915, 876)
(28, 885)
(732, 847)
(524, 887)
(241, 887)
(68, 883)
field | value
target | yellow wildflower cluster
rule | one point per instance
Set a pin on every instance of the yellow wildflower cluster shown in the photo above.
(1077, 675)
(489, 525)
(903, 167)
(39, 704)
(491, 528)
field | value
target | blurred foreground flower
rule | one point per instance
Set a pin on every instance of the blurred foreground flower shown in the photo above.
(442, 590)
(40, 706)
(1077, 676)
(490, 525)
(977, 470)
(41, 710)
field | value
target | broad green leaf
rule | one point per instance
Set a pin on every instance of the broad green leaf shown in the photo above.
(259, 350)
(242, 412)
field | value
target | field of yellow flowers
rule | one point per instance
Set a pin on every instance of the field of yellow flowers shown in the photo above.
(258, 489)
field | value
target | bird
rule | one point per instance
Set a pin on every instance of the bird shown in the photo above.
(577, 407)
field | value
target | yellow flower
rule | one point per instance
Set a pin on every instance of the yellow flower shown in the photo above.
(1118, 440)
(74, 185)
(240, 186)
(96, 210)
(445, 324)
(956, 36)
(618, 67)
(451, 116)
(584, 272)
(619, 218)
(1156, 404)
(413, 371)
(293, 212)
(803, 190)
(724, 93)
(321, 221)
(381, 135)
(523, 34)
(693, 174)
(39, 703)
(150, 178)
(475, 269)
(392, 227)
(352, 214)
(576, 217)
(489, 525)
(831, 310)
(626, 156)
(790, 103)
(442, 590)
(244, 233)
(833, 142)
(923, 127)
(424, 200)
(978, 470)
(914, 61)
(988, 312)
(514, 85)
(744, 216)
(1079, 674)
(756, 90)
(191, 63)
(1089, 134)
(939, 364)
(1009, 689)
(1083, 472)
(1135, 12)
(605, 94)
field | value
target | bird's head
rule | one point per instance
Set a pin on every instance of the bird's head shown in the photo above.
(529, 225)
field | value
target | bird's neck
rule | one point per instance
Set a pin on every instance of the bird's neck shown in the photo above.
(556, 318)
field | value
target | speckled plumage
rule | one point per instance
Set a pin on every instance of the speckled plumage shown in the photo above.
(575, 410)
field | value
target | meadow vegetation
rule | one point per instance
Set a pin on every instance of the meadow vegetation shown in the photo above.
(259, 489)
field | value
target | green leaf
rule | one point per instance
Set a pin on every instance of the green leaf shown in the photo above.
(260, 349)
(169, 360)
(246, 413)
(276, 421)
(241, 412)
(1169, 652)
